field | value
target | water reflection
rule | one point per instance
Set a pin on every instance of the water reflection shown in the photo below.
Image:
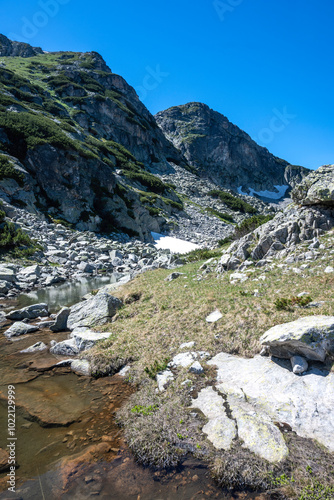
(64, 294)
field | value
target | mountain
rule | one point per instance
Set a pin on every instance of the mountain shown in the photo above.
(223, 153)
(78, 146)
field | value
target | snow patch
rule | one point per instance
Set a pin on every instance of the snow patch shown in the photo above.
(281, 190)
(173, 244)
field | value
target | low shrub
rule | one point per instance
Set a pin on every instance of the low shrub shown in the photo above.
(7, 170)
(248, 225)
(233, 202)
(221, 215)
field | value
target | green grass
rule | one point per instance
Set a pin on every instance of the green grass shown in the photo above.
(221, 215)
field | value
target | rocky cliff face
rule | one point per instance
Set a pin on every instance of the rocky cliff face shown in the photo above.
(82, 143)
(223, 153)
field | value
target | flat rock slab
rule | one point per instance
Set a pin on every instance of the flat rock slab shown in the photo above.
(311, 337)
(220, 429)
(305, 403)
(258, 432)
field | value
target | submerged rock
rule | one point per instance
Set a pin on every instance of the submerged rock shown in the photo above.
(311, 337)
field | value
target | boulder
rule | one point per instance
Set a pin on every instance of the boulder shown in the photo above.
(7, 274)
(20, 328)
(85, 338)
(60, 323)
(30, 312)
(316, 188)
(311, 337)
(173, 276)
(95, 311)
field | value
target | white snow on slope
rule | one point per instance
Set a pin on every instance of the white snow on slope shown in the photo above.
(174, 244)
(267, 194)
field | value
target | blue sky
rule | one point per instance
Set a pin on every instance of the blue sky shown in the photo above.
(268, 65)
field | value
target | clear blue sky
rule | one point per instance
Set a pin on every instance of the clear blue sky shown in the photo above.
(252, 60)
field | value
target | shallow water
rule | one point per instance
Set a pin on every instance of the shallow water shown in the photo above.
(63, 294)
(68, 443)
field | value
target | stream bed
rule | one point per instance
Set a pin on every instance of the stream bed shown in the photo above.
(68, 443)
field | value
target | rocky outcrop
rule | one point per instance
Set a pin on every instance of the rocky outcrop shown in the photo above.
(17, 49)
(311, 337)
(221, 152)
(317, 188)
(311, 217)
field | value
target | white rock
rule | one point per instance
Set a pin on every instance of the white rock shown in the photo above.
(81, 367)
(39, 346)
(196, 368)
(187, 345)
(238, 277)
(214, 316)
(163, 378)
(329, 269)
(20, 328)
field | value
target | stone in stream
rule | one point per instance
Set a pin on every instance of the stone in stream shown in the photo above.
(304, 403)
(81, 367)
(60, 323)
(29, 312)
(311, 337)
(65, 348)
(85, 338)
(20, 328)
(95, 311)
(39, 346)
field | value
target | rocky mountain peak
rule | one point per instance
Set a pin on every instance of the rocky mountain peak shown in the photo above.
(222, 152)
(17, 49)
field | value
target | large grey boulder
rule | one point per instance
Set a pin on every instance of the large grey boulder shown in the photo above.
(20, 328)
(30, 312)
(95, 311)
(316, 188)
(305, 403)
(311, 337)
(7, 274)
